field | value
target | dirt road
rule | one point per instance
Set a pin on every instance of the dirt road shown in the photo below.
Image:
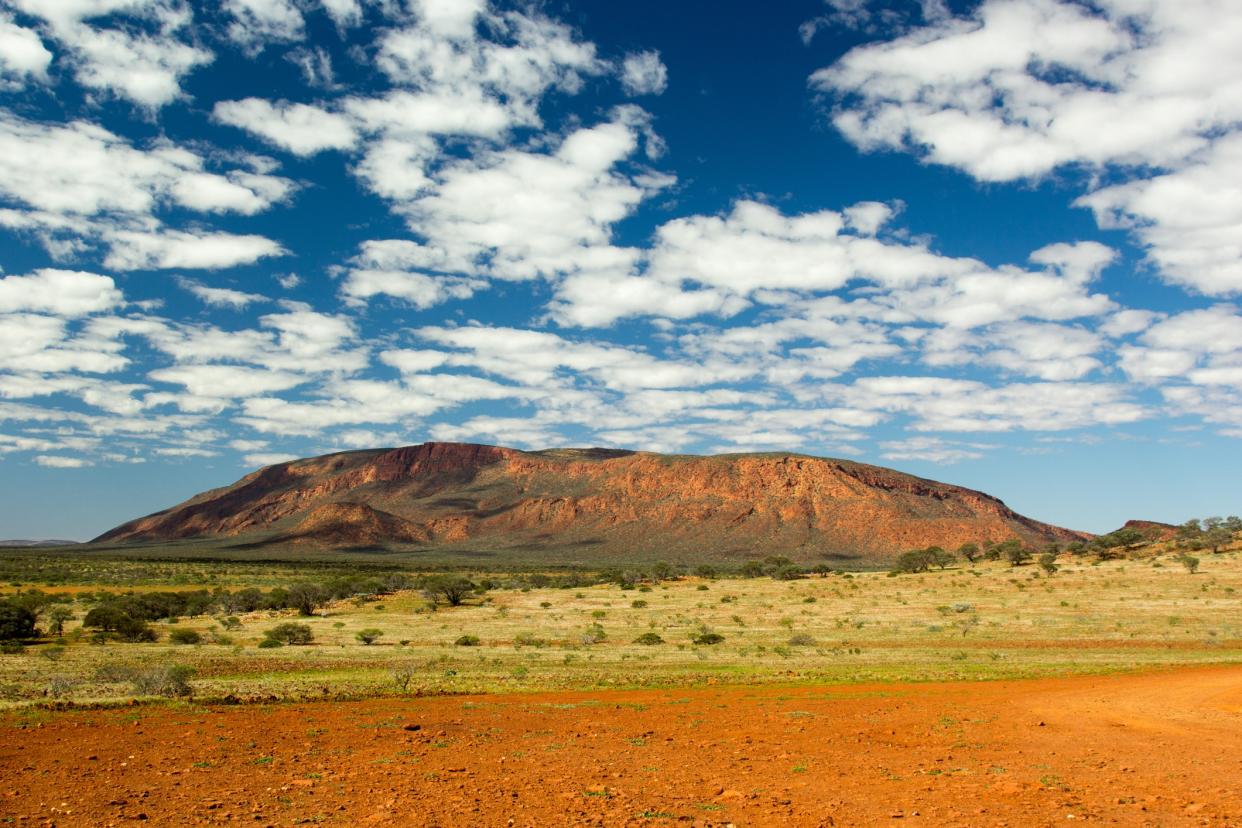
(1156, 749)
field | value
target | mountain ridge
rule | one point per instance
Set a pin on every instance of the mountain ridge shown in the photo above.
(439, 495)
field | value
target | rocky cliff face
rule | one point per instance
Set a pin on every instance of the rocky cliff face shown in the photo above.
(454, 494)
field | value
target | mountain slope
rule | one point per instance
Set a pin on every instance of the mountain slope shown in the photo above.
(457, 495)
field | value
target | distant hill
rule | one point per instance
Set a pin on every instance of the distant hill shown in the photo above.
(614, 503)
(37, 543)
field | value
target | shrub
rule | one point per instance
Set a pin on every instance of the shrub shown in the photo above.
(467, 641)
(638, 604)
(648, 639)
(802, 640)
(270, 643)
(594, 634)
(708, 638)
(290, 632)
(369, 636)
(16, 622)
(181, 636)
(1190, 562)
(402, 675)
(163, 680)
(452, 589)
(528, 640)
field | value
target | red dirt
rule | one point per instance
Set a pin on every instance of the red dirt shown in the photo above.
(1154, 749)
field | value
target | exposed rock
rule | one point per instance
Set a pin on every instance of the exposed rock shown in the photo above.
(727, 506)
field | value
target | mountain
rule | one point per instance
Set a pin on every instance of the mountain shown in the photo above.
(609, 504)
(14, 542)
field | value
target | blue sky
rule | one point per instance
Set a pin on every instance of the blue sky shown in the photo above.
(997, 244)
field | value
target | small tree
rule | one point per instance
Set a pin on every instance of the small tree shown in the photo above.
(290, 632)
(1190, 562)
(306, 597)
(56, 618)
(452, 589)
(938, 557)
(969, 551)
(1048, 562)
(1216, 536)
(16, 622)
(369, 636)
(1015, 552)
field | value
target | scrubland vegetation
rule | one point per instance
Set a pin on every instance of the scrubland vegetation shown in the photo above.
(279, 631)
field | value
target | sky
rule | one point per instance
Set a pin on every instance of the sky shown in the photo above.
(993, 243)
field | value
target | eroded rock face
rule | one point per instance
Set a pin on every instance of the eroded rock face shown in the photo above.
(450, 493)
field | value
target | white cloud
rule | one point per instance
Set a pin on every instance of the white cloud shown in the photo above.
(220, 297)
(167, 249)
(227, 381)
(22, 53)
(1203, 347)
(258, 22)
(932, 450)
(142, 58)
(268, 458)
(58, 292)
(55, 461)
(299, 128)
(1190, 220)
(643, 73)
(1150, 90)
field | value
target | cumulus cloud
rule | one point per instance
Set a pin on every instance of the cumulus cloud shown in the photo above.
(299, 128)
(141, 57)
(59, 293)
(643, 73)
(1151, 91)
(220, 297)
(22, 53)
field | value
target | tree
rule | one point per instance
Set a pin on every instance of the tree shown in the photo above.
(705, 571)
(369, 636)
(969, 551)
(914, 561)
(306, 597)
(1014, 551)
(939, 557)
(662, 571)
(1216, 537)
(290, 632)
(56, 618)
(452, 588)
(1048, 562)
(1190, 562)
(16, 622)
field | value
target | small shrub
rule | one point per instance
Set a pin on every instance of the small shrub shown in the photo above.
(290, 632)
(182, 636)
(648, 639)
(638, 604)
(169, 680)
(528, 640)
(802, 640)
(468, 641)
(270, 643)
(594, 634)
(1190, 562)
(402, 675)
(708, 638)
(369, 636)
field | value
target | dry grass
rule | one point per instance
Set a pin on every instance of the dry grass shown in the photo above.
(989, 621)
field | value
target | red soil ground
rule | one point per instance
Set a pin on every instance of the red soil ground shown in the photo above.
(1154, 749)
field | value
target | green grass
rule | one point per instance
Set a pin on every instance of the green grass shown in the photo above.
(1011, 623)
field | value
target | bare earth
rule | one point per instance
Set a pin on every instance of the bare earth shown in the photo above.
(1152, 749)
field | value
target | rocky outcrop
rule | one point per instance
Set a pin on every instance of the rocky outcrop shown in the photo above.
(615, 502)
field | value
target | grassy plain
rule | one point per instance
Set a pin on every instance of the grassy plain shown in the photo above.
(986, 621)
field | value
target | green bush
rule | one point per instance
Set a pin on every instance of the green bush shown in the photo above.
(369, 636)
(708, 638)
(802, 640)
(638, 604)
(270, 643)
(648, 639)
(290, 632)
(181, 636)
(16, 622)
(468, 641)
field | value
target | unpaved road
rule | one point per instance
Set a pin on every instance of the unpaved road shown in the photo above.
(1156, 749)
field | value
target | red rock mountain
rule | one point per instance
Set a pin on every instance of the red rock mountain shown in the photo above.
(605, 503)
